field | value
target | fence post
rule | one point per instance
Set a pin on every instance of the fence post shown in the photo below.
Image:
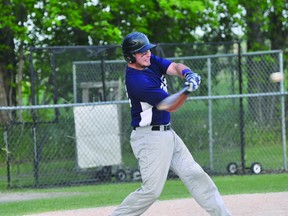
(103, 78)
(283, 112)
(36, 161)
(241, 110)
(210, 115)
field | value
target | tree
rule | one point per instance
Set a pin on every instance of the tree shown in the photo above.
(54, 23)
(30, 23)
(11, 27)
(278, 30)
(22, 25)
(266, 29)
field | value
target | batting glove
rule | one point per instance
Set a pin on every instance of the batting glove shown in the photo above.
(193, 80)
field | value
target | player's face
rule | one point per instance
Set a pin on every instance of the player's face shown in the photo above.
(143, 59)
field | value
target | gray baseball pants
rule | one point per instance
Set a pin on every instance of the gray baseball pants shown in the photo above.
(157, 152)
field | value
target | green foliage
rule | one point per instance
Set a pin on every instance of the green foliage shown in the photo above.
(181, 9)
(55, 23)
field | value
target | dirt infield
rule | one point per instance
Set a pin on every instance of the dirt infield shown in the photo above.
(265, 204)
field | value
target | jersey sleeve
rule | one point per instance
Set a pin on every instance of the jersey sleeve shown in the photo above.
(162, 64)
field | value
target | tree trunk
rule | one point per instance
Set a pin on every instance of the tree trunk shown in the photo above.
(7, 72)
(278, 32)
(4, 116)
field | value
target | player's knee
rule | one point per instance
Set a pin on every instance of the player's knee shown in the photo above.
(197, 170)
(153, 194)
(194, 171)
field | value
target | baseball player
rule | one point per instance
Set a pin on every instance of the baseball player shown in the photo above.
(155, 144)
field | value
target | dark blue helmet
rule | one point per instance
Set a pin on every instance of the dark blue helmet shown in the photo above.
(135, 42)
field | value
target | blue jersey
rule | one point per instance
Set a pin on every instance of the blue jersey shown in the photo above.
(145, 89)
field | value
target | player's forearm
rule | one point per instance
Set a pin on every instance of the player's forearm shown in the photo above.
(175, 69)
(178, 103)
(174, 101)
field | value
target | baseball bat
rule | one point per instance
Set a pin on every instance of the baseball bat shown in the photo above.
(174, 101)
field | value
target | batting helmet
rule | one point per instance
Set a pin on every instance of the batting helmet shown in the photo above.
(133, 43)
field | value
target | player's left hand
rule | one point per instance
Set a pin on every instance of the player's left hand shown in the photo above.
(193, 81)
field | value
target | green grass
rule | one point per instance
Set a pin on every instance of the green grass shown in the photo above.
(113, 194)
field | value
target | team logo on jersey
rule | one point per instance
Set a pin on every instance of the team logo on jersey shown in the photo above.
(164, 83)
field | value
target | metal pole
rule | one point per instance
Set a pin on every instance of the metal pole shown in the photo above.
(34, 117)
(36, 162)
(103, 78)
(74, 84)
(283, 112)
(210, 116)
(241, 111)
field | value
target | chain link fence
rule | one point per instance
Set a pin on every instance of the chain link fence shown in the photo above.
(75, 128)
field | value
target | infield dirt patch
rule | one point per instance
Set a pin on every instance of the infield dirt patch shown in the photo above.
(264, 204)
